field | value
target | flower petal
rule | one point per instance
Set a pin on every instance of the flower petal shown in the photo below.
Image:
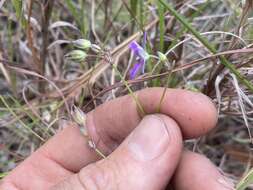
(138, 50)
(134, 46)
(134, 71)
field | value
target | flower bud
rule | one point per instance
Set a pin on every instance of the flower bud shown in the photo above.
(76, 55)
(82, 44)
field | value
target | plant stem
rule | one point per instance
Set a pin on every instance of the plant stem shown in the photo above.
(130, 91)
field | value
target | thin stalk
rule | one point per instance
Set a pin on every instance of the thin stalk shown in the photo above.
(207, 44)
(21, 122)
(130, 91)
(161, 25)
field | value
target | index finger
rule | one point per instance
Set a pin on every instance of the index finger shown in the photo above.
(111, 122)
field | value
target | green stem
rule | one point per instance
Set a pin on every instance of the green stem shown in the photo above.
(130, 91)
(21, 122)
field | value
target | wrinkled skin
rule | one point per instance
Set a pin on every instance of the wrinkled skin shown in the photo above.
(142, 153)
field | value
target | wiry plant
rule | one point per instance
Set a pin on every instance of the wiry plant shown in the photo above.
(208, 52)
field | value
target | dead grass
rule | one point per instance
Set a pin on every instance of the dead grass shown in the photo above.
(39, 86)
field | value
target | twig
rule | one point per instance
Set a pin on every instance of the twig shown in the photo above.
(47, 8)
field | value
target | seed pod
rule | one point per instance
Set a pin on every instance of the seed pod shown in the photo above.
(82, 44)
(76, 55)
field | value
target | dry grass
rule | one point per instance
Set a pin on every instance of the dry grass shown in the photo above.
(39, 85)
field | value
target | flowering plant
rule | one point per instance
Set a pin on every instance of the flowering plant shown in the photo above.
(142, 57)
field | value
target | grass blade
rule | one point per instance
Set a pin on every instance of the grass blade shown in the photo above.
(161, 25)
(2, 175)
(245, 181)
(135, 98)
(133, 5)
(17, 4)
(207, 44)
(20, 121)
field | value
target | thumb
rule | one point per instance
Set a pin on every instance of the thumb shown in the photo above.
(145, 160)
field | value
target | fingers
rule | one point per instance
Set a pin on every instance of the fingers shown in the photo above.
(145, 160)
(195, 172)
(111, 122)
(36, 172)
(194, 113)
(69, 148)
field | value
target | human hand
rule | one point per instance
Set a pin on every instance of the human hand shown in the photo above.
(142, 153)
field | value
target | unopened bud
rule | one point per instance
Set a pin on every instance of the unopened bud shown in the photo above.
(76, 55)
(82, 44)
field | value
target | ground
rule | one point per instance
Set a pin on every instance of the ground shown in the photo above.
(47, 68)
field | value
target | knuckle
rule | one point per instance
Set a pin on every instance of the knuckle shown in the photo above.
(97, 177)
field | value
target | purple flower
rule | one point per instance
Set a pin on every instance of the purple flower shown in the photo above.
(142, 57)
(137, 66)
(138, 50)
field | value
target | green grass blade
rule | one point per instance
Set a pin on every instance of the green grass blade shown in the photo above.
(83, 19)
(161, 12)
(76, 14)
(141, 13)
(72, 9)
(17, 4)
(135, 98)
(207, 44)
(133, 5)
(245, 181)
(2, 175)
(20, 121)
(18, 7)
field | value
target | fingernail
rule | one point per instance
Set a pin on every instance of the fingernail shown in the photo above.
(150, 139)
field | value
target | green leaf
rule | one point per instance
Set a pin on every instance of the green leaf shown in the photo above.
(142, 13)
(17, 4)
(133, 4)
(161, 12)
(76, 14)
(2, 175)
(245, 181)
